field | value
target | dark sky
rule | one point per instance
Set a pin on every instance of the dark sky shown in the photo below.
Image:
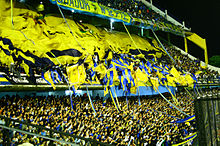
(202, 16)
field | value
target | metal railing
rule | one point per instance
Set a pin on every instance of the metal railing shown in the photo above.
(207, 110)
(9, 125)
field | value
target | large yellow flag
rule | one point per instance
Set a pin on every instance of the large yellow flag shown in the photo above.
(76, 75)
(72, 74)
(141, 78)
(198, 40)
(174, 72)
(155, 82)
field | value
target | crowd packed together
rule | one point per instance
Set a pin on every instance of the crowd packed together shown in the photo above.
(185, 64)
(150, 123)
(134, 7)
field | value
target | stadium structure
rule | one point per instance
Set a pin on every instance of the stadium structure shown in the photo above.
(97, 54)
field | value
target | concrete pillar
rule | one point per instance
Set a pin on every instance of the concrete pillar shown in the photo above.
(142, 31)
(111, 24)
(168, 38)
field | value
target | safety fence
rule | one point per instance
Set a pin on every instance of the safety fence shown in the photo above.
(207, 105)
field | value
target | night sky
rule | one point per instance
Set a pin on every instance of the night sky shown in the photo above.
(202, 16)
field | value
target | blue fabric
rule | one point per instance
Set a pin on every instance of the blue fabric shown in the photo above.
(149, 65)
(111, 78)
(60, 79)
(43, 133)
(130, 76)
(145, 68)
(125, 61)
(52, 75)
(5, 83)
(194, 77)
(125, 81)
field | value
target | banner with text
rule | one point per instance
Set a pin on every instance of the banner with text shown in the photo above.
(93, 8)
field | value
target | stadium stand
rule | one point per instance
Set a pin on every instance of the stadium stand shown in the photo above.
(128, 127)
(135, 7)
(41, 49)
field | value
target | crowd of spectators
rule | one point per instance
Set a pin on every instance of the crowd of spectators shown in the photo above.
(134, 7)
(148, 123)
(187, 65)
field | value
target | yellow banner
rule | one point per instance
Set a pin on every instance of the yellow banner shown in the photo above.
(93, 8)
(197, 40)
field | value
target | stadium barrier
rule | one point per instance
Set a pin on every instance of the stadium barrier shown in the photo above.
(207, 117)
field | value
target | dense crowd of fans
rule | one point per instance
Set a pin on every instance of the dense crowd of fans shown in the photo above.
(148, 123)
(136, 8)
(187, 65)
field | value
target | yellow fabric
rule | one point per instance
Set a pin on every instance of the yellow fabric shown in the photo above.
(174, 72)
(141, 78)
(39, 37)
(25, 67)
(198, 72)
(101, 69)
(47, 76)
(189, 80)
(171, 81)
(133, 90)
(198, 40)
(2, 79)
(76, 75)
(201, 43)
(105, 90)
(155, 83)
(184, 142)
(30, 34)
(26, 57)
